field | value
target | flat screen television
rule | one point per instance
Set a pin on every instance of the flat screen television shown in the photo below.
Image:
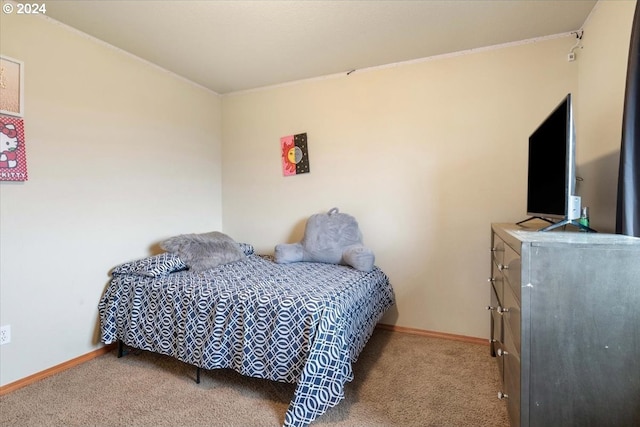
(551, 169)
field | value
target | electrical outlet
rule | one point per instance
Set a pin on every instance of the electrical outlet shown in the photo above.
(5, 334)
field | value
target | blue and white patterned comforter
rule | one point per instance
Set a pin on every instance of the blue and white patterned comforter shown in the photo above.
(303, 323)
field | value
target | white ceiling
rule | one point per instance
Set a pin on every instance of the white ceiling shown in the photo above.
(230, 46)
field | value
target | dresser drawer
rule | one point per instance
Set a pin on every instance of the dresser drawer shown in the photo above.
(511, 268)
(511, 362)
(497, 280)
(499, 349)
(496, 324)
(511, 316)
(497, 249)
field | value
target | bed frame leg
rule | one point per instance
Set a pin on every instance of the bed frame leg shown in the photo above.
(121, 353)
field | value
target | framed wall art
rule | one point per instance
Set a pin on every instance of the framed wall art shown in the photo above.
(13, 155)
(11, 87)
(295, 154)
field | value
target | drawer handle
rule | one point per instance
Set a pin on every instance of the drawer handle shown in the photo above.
(493, 249)
(502, 395)
(503, 267)
(491, 279)
(501, 352)
(502, 310)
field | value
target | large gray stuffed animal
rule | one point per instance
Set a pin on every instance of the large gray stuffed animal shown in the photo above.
(332, 238)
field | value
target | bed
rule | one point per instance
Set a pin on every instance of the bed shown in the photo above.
(303, 323)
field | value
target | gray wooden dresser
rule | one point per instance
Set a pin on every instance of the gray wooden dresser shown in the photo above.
(565, 326)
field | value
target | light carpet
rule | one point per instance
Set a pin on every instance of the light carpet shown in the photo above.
(400, 380)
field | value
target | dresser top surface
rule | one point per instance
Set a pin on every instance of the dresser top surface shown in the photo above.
(517, 233)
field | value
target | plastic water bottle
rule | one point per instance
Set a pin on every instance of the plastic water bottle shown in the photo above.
(584, 218)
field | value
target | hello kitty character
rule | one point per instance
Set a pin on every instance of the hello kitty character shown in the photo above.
(8, 146)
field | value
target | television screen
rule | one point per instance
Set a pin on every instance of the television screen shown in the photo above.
(551, 168)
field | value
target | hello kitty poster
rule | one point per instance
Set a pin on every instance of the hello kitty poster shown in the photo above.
(13, 158)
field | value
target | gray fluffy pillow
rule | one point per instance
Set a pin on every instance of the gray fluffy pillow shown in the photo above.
(204, 251)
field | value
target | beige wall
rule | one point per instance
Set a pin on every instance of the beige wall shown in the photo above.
(601, 85)
(121, 154)
(426, 155)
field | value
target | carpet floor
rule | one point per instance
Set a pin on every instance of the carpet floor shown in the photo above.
(400, 380)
